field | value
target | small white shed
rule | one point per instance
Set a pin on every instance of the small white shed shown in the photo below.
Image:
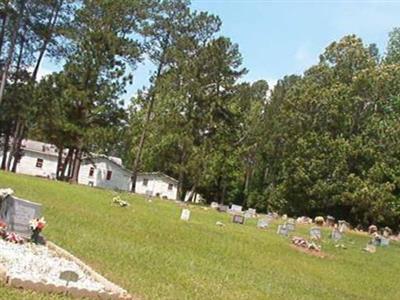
(157, 184)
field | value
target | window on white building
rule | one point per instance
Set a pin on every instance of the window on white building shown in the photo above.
(170, 186)
(145, 181)
(109, 174)
(91, 171)
(39, 163)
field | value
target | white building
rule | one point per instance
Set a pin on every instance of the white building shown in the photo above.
(40, 159)
(105, 172)
(157, 184)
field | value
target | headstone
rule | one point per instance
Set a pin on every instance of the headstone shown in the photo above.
(330, 221)
(238, 219)
(248, 215)
(282, 230)
(222, 208)
(290, 226)
(236, 208)
(385, 241)
(253, 212)
(336, 235)
(17, 213)
(262, 223)
(315, 233)
(214, 205)
(343, 226)
(185, 215)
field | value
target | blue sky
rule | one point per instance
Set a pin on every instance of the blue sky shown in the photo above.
(277, 38)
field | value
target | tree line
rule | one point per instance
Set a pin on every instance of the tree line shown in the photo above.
(325, 142)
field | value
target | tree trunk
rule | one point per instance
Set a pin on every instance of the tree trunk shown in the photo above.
(76, 166)
(11, 50)
(16, 133)
(2, 32)
(70, 164)
(6, 147)
(59, 163)
(17, 152)
(66, 165)
(50, 25)
(136, 163)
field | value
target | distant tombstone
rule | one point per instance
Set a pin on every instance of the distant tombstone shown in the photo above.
(282, 230)
(253, 212)
(185, 215)
(248, 215)
(384, 241)
(343, 226)
(290, 226)
(222, 208)
(315, 233)
(17, 213)
(238, 219)
(214, 205)
(236, 208)
(262, 223)
(330, 221)
(336, 235)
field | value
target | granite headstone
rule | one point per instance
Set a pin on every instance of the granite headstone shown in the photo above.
(17, 213)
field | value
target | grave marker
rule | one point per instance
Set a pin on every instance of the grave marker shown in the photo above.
(290, 226)
(222, 208)
(238, 219)
(336, 235)
(315, 233)
(282, 230)
(236, 208)
(185, 215)
(17, 213)
(262, 223)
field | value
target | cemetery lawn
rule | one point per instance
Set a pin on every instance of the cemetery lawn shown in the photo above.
(147, 250)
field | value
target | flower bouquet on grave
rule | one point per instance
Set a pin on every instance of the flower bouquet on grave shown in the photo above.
(37, 226)
(14, 238)
(117, 200)
(3, 227)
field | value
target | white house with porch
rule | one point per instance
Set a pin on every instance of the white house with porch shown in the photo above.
(40, 159)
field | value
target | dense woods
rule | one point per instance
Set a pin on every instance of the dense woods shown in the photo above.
(324, 142)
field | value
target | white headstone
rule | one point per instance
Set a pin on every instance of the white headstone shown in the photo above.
(315, 233)
(185, 215)
(236, 208)
(214, 205)
(262, 223)
(336, 235)
(282, 230)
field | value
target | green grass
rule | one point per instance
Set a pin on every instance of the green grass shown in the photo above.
(146, 249)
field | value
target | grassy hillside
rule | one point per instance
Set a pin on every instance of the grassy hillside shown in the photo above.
(146, 249)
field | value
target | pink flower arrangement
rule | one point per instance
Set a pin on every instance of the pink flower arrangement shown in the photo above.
(13, 238)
